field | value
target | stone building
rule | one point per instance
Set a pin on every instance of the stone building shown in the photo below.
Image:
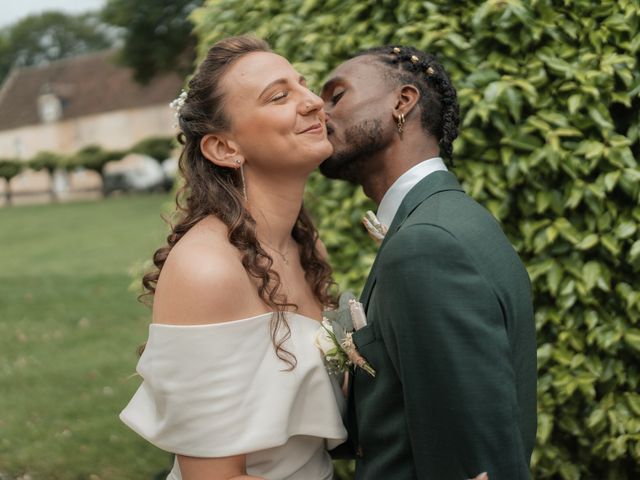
(80, 101)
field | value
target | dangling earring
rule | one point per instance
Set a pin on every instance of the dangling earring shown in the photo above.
(244, 185)
(401, 123)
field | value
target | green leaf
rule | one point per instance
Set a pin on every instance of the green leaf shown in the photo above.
(566, 230)
(631, 174)
(554, 277)
(633, 400)
(634, 252)
(575, 102)
(514, 103)
(590, 149)
(610, 244)
(632, 338)
(625, 229)
(590, 274)
(493, 91)
(568, 471)
(589, 241)
(596, 419)
(545, 427)
(599, 118)
(611, 179)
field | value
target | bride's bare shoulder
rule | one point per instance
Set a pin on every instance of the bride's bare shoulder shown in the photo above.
(203, 280)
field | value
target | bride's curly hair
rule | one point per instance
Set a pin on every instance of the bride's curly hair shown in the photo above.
(209, 189)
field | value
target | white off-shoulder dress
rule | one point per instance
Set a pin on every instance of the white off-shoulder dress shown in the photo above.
(218, 390)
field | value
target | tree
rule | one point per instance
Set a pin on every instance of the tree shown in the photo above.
(157, 34)
(158, 148)
(9, 168)
(48, 161)
(43, 38)
(94, 158)
(549, 94)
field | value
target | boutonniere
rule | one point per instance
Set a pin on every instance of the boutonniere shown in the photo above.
(335, 337)
(375, 228)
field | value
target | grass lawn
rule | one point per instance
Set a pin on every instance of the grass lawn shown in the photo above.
(69, 328)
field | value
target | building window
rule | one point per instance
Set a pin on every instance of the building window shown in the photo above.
(49, 108)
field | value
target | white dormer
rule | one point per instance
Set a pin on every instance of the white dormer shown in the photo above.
(49, 108)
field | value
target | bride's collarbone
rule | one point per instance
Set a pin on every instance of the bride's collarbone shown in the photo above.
(299, 294)
(293, 284)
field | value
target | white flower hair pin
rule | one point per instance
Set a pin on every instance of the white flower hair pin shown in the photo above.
(335, 337)
(178, 103)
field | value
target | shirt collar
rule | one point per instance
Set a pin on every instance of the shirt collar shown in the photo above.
(393, 197)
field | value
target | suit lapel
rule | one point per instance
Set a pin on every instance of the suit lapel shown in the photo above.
(433, 183)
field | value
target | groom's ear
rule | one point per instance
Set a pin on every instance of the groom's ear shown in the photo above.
(408, 97)
(221, 150)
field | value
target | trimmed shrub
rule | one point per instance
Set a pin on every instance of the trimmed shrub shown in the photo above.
(93, 157)
(9, 168)
(550, 99)
(48, 161)
(159, 148)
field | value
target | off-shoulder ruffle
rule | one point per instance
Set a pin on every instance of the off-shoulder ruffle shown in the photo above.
(219, 389)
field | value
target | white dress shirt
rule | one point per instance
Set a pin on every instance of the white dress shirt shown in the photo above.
(393, 197)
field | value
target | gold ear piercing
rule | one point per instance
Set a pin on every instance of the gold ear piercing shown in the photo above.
(401, 123)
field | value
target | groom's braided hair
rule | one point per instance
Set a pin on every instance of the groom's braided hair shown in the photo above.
(438, 99)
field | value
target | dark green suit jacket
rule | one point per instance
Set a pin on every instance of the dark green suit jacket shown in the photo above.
(451, 335)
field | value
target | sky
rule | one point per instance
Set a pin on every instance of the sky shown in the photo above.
(15, 10)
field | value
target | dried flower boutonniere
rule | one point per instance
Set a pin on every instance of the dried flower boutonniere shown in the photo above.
(335, 336)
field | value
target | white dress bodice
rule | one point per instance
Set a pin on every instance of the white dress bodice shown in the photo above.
(219, 389)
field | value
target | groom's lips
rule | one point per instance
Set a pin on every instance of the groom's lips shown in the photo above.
(329, 129)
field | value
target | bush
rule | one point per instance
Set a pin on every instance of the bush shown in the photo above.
(93, 157)
(159, 148)
(48, 161)
(550, 95)
(9, 168)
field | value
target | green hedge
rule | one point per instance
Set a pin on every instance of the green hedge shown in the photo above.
(549, 92)
(45, 160)
(159, 148)
(9, 168)
(92, 157)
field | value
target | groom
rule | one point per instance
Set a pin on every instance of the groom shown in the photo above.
(450, 327)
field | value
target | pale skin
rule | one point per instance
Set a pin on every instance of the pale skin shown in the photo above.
(278, 134)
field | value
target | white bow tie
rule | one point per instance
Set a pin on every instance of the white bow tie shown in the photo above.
(375, 228)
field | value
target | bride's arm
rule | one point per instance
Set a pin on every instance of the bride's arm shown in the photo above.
(223, 468)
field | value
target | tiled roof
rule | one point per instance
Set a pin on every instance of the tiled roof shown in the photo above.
(87, 85)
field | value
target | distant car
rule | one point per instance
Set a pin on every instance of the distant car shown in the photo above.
(170, 169)
(133, 173)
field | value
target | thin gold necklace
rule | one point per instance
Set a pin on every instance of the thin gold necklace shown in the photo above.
(283, 255)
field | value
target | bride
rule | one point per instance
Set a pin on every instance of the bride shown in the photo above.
(233, 384)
